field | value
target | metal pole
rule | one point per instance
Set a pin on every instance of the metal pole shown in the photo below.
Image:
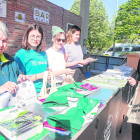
(115, 26)
(84, 13)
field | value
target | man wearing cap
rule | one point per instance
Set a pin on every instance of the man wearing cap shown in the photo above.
(55, 55)
(9, 70)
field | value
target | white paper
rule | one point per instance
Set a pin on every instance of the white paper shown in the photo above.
(4, 99)
(3, 8)
(26, 94)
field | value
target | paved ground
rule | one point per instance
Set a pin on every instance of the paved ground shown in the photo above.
(129, 132)
(126, 133)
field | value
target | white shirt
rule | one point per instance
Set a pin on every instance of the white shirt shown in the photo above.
(56, 62)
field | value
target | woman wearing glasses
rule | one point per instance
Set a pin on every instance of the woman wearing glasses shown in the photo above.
(74, 54)
(31, 58)
(55, 55)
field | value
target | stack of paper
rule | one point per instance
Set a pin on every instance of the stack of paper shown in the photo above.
(17, 124)
(108, 79)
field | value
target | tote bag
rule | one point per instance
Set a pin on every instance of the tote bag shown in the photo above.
(45, 92)
(67, 80)
(133, 113)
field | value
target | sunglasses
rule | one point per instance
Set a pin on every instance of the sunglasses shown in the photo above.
(63, 40)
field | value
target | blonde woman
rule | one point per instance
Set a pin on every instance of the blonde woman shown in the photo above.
(74, 54)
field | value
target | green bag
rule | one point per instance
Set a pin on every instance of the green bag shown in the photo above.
(87, 104)
(66, 87)
(78, 84)
(74, 94)
(59, 98)
(73, 118)
(73, 86)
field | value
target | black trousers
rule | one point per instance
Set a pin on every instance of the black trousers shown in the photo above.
(78, 75)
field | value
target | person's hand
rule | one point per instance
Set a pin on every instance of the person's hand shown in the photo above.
(90, 59)
(84, 62)
(132, 81)
(48, 69)
(49, 75)
(70, 72)
(11, 87)
(42, 75)
(22, 78)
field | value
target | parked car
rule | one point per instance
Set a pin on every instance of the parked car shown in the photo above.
(123, 49)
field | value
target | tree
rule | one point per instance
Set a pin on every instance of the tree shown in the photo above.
(99, 35)
(75, 8)
(128, 22)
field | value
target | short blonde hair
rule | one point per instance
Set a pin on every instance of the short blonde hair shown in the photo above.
(4, 29)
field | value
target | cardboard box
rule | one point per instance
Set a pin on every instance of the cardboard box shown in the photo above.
(133, 59)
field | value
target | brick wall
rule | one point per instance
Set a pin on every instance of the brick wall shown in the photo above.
(58, 17)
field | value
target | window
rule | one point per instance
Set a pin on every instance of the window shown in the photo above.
(136, 48)
(118, 49)
(111, 49)
(126, 49)
(68, 26)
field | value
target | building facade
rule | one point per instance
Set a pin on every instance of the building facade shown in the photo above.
(21, 13)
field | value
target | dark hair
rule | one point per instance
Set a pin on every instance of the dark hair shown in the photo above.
(71, 31)
(27, 46)
(74, 28)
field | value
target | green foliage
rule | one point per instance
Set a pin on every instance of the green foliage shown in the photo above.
(100, 33)
(75, 8)
(128, 22)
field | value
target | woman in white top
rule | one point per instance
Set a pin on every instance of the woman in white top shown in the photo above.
(55, 55)
(74, 54)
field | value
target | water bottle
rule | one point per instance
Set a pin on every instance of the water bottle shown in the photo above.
(88, 72)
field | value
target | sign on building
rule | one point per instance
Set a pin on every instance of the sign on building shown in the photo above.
(41, 15)
(19, 17)
(3, 8)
